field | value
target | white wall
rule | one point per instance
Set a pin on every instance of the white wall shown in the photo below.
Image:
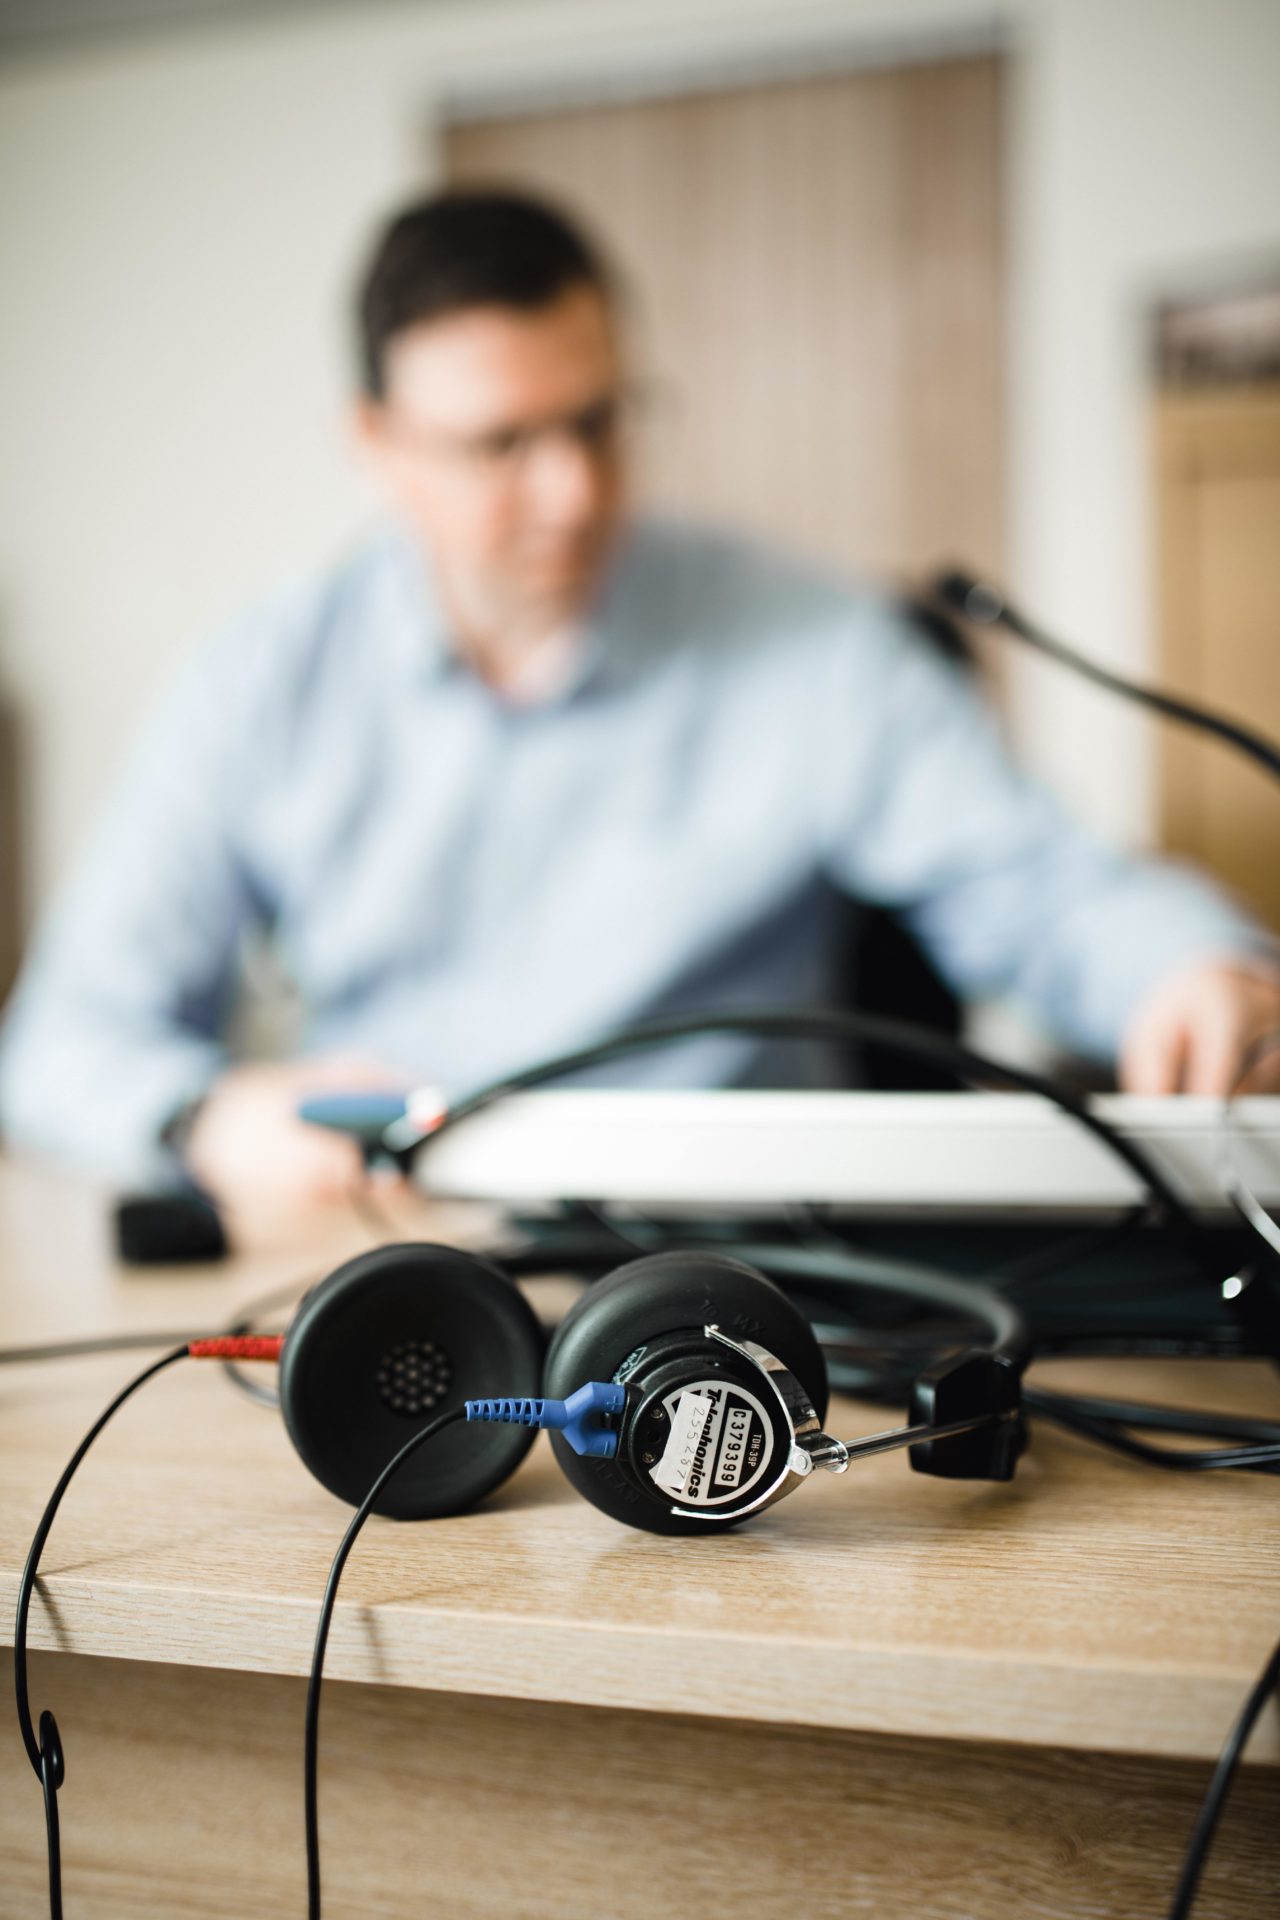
(1145, 157)
(180, 220)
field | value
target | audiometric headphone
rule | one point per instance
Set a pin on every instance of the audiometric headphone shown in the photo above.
(696, 1389)
(684, 1392)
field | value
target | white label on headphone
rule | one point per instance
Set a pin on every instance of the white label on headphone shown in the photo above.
(718, 1445)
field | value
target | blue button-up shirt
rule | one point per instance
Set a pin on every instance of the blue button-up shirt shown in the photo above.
(460, 884)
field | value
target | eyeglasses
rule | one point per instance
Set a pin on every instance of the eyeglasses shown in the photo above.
(501, 453)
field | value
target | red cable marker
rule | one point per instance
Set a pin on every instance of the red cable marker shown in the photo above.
(249, 1346)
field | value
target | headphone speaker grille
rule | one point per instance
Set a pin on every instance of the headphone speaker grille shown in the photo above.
(413, 1377)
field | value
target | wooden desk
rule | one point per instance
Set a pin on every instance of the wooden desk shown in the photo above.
(891, 1697)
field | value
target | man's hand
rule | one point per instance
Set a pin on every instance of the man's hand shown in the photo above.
(247, 1145)
(1191, 1034)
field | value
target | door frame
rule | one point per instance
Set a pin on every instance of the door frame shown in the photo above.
(706, 58)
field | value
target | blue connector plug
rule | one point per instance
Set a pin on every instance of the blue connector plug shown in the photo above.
(581, 1418)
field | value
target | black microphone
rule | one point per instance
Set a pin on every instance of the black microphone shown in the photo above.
(985, 606)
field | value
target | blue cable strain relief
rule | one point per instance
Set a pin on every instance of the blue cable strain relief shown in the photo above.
(520, 1413)
(581, 1418)
(588, 1409)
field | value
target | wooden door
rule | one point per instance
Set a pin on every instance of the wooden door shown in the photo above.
(1219, 545)
(817, 271)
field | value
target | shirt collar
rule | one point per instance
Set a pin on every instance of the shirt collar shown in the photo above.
(422, 644)
(413, 617)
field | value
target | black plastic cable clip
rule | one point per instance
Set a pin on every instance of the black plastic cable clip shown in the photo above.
(970, 1386)
(53, 1771)
(53, 1766)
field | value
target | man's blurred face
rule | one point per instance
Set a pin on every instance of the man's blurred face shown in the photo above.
(498, 437)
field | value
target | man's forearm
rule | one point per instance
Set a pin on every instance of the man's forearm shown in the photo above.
(88, 1089)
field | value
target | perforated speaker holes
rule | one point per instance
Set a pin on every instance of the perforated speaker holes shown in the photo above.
(414, 1377)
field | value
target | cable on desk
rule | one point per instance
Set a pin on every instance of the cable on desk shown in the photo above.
(586, 1421)
(1163, 1419)
(1062, 1254)
(634, 1234)
(1110, 1423)
(44, 1744)
(1211, 1808)
(244, 1324)
(374, 1221)
(862, 1362)
(44, 1747)
(241, 1326)
(814, 1226)
(1110, 1426)
(99, 1343)
(404, 1137)
(311, 1737)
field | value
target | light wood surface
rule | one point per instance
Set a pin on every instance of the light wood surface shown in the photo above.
(1218, 462)
(1091, 1604)
(184, 1798)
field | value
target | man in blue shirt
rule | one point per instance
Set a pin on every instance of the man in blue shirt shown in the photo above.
(523, 770)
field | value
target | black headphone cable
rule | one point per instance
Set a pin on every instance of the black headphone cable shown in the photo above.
(1211, 1807)
(978, 601)
(44, 1743)
(404, 1137)
(311, 1732)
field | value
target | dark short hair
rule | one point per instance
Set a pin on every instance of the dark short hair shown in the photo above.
(468, 247)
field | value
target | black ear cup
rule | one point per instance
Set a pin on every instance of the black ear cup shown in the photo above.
(385, 1343)
(639, 1307)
